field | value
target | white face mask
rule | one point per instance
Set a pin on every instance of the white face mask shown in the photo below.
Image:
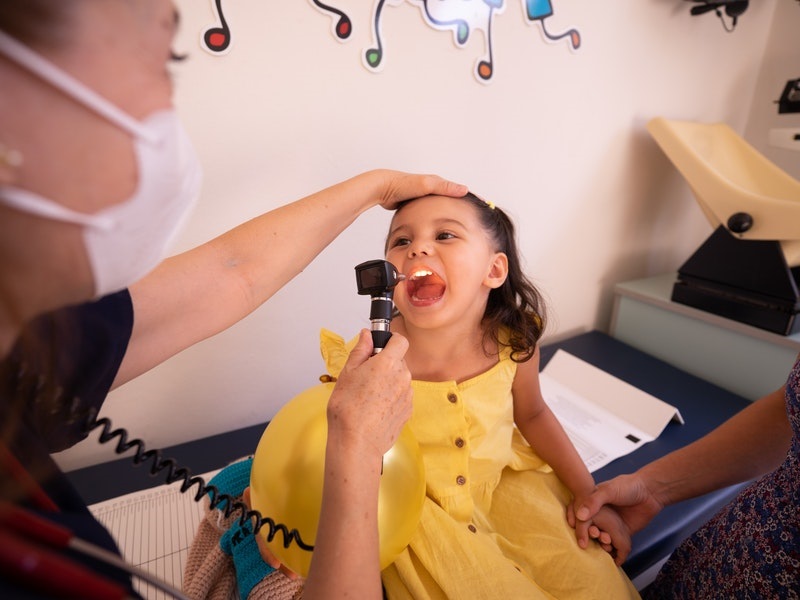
(124, 241)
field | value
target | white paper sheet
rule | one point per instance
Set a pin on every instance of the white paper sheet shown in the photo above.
(154, 529)
(604, 416)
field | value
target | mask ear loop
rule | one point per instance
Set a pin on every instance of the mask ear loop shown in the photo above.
(29, 202)
(67, 84)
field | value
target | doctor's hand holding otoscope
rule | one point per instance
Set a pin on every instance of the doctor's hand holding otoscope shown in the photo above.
(366, 411)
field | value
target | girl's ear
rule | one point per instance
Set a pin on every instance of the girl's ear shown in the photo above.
(498, 271)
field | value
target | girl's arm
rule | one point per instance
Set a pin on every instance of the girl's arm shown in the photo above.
(544, 433)
(547, 437)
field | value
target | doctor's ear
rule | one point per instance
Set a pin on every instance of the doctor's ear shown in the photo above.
(498, 271)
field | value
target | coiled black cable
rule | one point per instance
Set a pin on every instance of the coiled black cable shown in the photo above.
(176, 473)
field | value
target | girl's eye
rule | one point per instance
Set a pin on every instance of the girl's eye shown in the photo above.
(445, 235)
(401, 241)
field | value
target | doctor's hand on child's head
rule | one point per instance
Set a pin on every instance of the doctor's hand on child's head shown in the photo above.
(372, 398)
(397, 186)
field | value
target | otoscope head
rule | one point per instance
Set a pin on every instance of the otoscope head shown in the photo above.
(377, 277)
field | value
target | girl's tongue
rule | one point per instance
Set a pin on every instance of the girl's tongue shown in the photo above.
(425, 286)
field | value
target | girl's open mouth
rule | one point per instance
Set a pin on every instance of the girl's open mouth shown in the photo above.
(423, 287)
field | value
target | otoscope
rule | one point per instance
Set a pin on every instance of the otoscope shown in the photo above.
(377, 278)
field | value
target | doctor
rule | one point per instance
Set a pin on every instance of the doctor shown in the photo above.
(96, 175)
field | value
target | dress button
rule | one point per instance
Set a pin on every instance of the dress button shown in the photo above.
(472, 528)
(452, 397)
(459, 442)
(461, 480)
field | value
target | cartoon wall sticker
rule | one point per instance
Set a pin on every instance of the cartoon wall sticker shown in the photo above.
(343, 26)
(539, 10)
(461, 17)
(217, 39)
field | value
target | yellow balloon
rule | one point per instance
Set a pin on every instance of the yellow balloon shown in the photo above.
(287, 475)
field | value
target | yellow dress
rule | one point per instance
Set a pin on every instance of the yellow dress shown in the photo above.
(494, 522)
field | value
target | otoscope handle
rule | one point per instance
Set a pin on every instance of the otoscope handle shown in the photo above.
(380, 316)
(380, 339)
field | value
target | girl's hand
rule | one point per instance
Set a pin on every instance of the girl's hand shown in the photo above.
(628, 495)
(606, 527)
(631, 500)
(610, 531)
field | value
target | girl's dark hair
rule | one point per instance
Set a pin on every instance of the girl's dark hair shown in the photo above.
(516, 305)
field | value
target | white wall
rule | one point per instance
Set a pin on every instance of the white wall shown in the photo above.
(557, 139)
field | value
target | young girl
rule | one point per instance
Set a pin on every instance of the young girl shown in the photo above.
(494, 521)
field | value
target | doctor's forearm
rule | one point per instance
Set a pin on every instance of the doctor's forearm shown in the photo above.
(748, 445)
(346, 553)
(201, 292)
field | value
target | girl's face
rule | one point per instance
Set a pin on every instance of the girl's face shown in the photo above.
(449, 261)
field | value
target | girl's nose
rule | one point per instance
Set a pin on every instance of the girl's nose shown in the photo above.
(418, 249)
